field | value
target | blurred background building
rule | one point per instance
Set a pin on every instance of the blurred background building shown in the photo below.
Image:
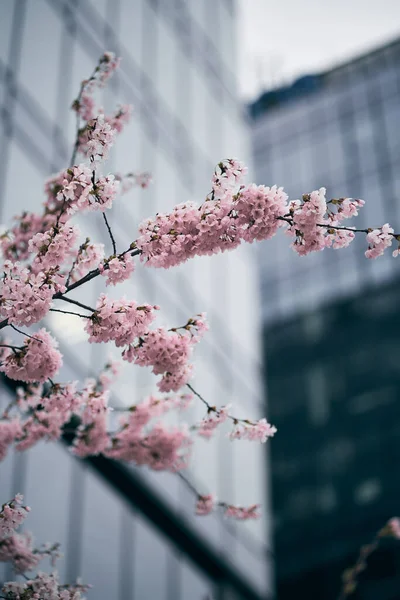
(130, 533)
(331, 329)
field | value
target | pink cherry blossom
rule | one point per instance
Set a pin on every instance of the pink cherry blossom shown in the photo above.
(205, 505)
(88, 256)
(378, 240)
(121, 321)
(130, 180)
(53, 246)
(25, 297)
(260, 431)
(12, 514)
(242, 513)
(394, 525)
(228, 176)
(10, 430)
(18, 550)
(119, 269)
(108, 64)
(121, 118)
(214, 418)
(93, 437)
(348, 207)
(96, 139)
(85, 106)
(173, 382)
(15, 242)
(37, 361)
(41, 425)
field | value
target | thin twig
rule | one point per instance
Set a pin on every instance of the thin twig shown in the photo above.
(214, 409)
(110, 233)
(69, 312)
(71, 301)
(27, 334)
(12, 347)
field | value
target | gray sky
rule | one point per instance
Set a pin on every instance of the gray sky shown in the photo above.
(283, 39)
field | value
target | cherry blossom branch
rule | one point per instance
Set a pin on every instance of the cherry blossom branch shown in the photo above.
(68, 312)
(206, 504)
(350, 576)
(81, 248)
(23, 332)
(85, 279)
(110, 234)
(11, 347)
(17, 549)
(76, 302)
(338, 227)
(260, 430)
(92, 274)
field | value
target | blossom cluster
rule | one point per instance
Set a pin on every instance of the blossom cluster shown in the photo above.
(18, 549)
(120, 321)
(168, 352)
(207, 504)
(119, 269)
(237, 214)
(26, 297)
(77, 190)
(36, 361)
(53, 246)
(130, 180)
(12, 514)
(315, 225)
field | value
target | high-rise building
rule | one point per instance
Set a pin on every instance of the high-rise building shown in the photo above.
(331, 329)
(130, 532)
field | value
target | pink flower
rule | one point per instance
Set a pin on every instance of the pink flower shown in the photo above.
(167, 352)
(12, 515)
(53, 247)
(242, 513)
(260, 431)
(121, 321)
(129, 180)
(25, 297)
(15, 242)
(38, 360)
(108, 64)
(205, 505)
(394, 525)
(93, 437)
(87, 258)
(10, 430)
(96, 139)
(121, 117)
(215, 417)
(173, 382)
(378, 240)
(228, 175)
(18, 550)
(215, 226)
(119, 269)
(348, 207)
(42, 425)
(308, 216)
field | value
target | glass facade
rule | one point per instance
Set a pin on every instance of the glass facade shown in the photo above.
(330, 333)
(177, 71)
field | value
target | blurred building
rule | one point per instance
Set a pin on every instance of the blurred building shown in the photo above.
(331, 329)
(129, 532)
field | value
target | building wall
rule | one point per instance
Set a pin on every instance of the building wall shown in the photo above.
(340, 135)
(330, 328)
(178, 70)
